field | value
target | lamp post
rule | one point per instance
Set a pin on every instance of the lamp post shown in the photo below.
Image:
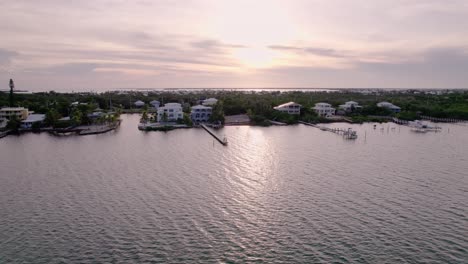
(12, 86)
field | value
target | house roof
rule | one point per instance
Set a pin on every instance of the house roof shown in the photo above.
(287, 104)
(200, 107)
(172, 105)
(12, 108)
(34, 118)
(323, 104)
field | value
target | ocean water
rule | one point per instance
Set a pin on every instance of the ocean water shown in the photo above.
(292, 194)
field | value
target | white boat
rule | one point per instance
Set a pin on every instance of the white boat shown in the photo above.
(419, 130)
(420, 127)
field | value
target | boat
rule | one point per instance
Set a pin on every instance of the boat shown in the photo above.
(419, 130)
(420, 127)
(350, 134)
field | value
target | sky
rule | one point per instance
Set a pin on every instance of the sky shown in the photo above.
(98, 45)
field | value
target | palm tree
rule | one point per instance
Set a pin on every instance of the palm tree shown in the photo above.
(144, 117)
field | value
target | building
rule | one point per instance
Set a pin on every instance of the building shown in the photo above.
(95, 115)
(291, 108)
(350, 106)
(200, 113)
(155, 104)
(32, 119)
(77, 103)
(139, 103)
(389, 106)
(209, 102)
(170, 112)
(324, 109)
(20, 112)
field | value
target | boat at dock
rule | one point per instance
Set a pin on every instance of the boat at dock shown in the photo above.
(350, 134)
(421, 127)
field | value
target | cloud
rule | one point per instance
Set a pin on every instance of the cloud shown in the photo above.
(323, 52)
(329, 43)
(212, 44)
(441, 67)
(6, 56)
(283, 47)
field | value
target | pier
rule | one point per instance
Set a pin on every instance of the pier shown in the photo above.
(222, 141)
(400, 122)
(4, 133)
(442, 120)
(346, 133)
(276, 123)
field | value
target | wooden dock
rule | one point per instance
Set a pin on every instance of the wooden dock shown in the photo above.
(276, 123)
(347, 133)
(4, 133)
(222, 141)
(442, 120)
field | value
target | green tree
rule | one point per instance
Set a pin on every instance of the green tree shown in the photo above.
(14, 123)
(76, 117)
(187, 120)
(218, 112)
(144, 117)
(51, 118)
(164, 117)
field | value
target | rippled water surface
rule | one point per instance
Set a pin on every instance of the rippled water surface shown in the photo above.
(280, 194)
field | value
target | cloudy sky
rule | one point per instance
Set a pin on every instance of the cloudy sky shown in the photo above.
(109, 44)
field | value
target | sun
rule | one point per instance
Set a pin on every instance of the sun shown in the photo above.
(255, 57)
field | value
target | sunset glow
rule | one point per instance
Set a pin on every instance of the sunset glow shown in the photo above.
(207, 43)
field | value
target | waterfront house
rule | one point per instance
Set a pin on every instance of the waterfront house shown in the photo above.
(324, 109)
(20, 112)
(155, 104)
(209, 102)
(32, 119)
(139, 103)
(291, 108)
(200, 113)
(389, 106)
(170, 112)
(350, 106)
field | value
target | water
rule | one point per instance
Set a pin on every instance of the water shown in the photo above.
(281, 194)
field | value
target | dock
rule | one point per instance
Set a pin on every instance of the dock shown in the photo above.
(442, 120)
(276, 123)
(346, 133)
(222, 141)
(4, 133)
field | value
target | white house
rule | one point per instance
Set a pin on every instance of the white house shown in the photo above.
(20, 112)
(139, 103)
(350, 106)
(324, 109)
(32, 118)
(200, 113)
(291, 108)
(389, 106)
(155, 104)
(209, 101)
(172, 112)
